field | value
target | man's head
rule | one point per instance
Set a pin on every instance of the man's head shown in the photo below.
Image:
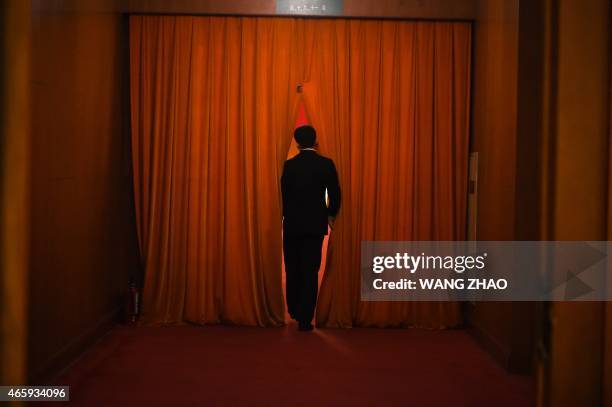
(305, 136)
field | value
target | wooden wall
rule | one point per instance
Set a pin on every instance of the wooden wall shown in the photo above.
(581, 117)
(83, 244)
(14, 152)
(502, 327)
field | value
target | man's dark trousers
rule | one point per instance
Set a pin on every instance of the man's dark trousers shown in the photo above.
(302, 261)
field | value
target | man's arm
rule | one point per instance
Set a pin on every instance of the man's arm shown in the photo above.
(333, 191)
(284, 187)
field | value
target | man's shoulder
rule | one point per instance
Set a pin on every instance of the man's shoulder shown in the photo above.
(327, 161)
(290, 161)
(309, 160)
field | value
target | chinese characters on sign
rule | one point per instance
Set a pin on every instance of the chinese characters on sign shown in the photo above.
(310, 7)
(307, 8)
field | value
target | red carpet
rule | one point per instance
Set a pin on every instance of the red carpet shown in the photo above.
(240, 366)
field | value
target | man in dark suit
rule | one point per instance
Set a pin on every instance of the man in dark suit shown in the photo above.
(306, 215)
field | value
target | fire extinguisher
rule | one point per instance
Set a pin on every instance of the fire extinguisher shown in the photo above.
(132, 304)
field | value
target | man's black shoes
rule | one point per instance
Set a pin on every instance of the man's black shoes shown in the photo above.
(305, 326)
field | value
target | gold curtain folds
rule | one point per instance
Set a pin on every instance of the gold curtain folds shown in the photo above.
(391, 103)
(213, 108)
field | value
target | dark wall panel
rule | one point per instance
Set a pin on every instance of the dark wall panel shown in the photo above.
(14, 152)
(502, 327)
(579, 204)
(83, 244)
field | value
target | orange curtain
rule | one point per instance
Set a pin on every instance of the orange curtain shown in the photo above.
(213, 108)
(391, 103)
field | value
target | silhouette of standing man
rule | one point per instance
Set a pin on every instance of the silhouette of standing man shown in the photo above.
(305, 218)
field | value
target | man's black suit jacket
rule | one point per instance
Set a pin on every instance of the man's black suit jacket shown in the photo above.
(303, 183)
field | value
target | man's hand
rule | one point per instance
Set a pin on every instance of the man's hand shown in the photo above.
(330, 221)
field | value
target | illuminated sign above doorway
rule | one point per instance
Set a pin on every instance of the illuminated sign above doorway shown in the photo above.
(310, 7)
